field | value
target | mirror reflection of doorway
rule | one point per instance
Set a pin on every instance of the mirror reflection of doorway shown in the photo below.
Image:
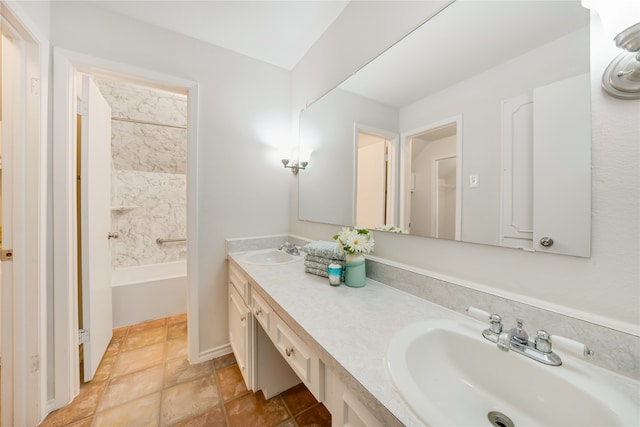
(375, 169)
(432, 191)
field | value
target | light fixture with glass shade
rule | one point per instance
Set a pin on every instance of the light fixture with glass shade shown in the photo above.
(621, 22)
(295, 165)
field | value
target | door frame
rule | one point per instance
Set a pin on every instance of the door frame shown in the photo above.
(66, 65)
(24, 296)
(405, 169)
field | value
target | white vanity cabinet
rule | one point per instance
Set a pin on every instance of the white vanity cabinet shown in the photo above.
(273, 357)
(240, 324)
(346, 410)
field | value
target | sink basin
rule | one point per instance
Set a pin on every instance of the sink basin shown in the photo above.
(270, 257)
(448, 374)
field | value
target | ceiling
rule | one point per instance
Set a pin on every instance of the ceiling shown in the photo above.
(276, 32)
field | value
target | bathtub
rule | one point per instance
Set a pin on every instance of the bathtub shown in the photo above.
(148, 292)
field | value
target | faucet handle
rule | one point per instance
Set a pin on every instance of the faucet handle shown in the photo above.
(542, 341)
(571, 346)
(496, 323)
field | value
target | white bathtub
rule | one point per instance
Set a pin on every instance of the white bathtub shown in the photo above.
(148, 292)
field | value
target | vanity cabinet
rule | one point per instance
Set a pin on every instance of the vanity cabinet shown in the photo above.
(272, 357)
(240, 331)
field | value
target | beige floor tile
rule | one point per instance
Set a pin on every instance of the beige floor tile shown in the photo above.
(178, 318)
(231, 383)
(82, 406)
(213, 418)
(137, 360)
(177, 330)
(134, 329)
(254, 410)
(144, 338)
(186, 400)
(131, 387)
(143, 412)
(179, 370)
(224, 361)
(177, 348)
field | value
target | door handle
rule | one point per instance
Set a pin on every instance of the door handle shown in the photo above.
(113, 235)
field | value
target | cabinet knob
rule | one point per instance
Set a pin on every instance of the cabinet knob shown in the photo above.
(243, 317)
(258, 312)
(546, 241)
(288, 351)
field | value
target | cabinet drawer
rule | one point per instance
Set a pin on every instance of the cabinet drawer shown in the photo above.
(303, 362)
(262, 312)
(239, 282)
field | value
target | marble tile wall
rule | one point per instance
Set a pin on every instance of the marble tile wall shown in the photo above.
(149, 164)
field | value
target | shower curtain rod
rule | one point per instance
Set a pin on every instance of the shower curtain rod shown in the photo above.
(144, 122)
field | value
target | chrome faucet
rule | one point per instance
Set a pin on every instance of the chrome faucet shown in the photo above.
(516, 334)
(517, 339)
(289, 248)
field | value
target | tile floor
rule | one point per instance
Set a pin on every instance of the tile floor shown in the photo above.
(144, 379)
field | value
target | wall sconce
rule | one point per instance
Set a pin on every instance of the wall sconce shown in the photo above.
(621, 78)
(295, 166)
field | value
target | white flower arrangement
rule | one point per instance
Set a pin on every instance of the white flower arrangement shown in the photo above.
(389, 228)
(355, 240)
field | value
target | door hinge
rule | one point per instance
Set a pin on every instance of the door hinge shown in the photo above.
(83, 336)
(35, 87)
(83, 107)
(6, 255)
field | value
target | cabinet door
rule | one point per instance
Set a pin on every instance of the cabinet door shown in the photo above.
(239, 332)
(562, 167)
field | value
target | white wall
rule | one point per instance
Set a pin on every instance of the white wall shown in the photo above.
(603, 288)
(244, 113)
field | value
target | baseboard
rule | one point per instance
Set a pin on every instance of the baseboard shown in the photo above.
(212, 353)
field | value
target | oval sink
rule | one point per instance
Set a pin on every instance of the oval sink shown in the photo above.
(270, 257)
(449, 374)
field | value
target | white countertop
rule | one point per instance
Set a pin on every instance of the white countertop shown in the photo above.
(354, 326)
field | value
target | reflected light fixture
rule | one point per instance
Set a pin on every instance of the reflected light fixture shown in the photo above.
(621, 22)
(622, 77)
(295, 165)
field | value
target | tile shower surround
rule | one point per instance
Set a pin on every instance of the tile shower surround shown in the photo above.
(613, 350)
(149, 163)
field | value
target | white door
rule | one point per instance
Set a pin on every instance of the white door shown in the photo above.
(562, 167)
(95, 222)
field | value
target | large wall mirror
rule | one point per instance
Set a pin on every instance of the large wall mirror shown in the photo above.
(474, 127)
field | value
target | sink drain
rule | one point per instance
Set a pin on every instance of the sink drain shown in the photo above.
(499, 419)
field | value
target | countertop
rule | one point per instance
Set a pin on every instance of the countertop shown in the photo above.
(352, 327)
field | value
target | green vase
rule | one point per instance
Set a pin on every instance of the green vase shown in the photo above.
(354, 271)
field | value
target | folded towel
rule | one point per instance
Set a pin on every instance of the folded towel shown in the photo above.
(319, 265)
(316, 271)
(324, 249)
(323, 260)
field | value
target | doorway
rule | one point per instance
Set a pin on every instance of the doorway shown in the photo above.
(375, 195)
(431, 176)
(67, 67)
(23, 65)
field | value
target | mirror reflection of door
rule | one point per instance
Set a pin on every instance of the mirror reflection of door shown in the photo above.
(374, 189)
(433, 188)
